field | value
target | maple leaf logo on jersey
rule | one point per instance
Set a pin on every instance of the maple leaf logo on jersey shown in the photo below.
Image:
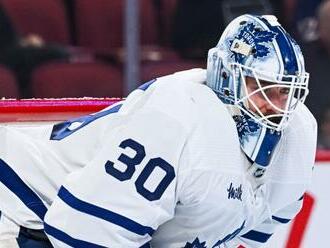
(195, 244)
(254, 38)
(245, 125)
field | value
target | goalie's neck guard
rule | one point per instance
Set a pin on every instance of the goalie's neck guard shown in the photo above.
(257, 142)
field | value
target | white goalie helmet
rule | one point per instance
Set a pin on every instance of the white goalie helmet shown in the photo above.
(258, 47)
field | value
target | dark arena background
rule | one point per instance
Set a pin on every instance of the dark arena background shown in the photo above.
(60, 59)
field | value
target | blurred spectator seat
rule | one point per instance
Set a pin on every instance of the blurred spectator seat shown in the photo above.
(166, 13)
(57, 80)
(45, 18)
(233, 8)
(100, 24)
(8, 84)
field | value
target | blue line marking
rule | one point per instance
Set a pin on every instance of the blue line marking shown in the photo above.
(103, 214)
(15, 184)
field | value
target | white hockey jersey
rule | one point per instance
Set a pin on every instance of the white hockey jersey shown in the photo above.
(164, 168)
(34, 163)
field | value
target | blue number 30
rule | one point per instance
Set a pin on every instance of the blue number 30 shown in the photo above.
(145, 173)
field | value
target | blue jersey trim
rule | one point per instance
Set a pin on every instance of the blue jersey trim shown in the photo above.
(103, 214)
(62, 130)
(281, 220)
(146, 85)
(146, 245)
(15, 184)
(33, 239)
(257, 236)
(289, 58)
(67, 239)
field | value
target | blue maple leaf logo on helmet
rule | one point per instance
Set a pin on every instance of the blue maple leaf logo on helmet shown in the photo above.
(245, 125)
(195, 244)
(256, 38)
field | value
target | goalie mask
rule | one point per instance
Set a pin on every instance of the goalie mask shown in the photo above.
(257, 51)
(258, 48)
